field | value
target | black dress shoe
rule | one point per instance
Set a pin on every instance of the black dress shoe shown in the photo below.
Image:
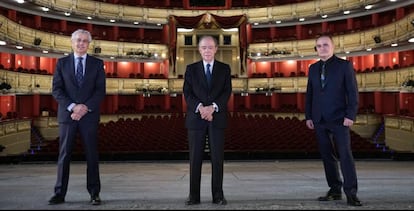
(95, 200)
(353, 201)
(56, 199)
(192, 202)
(330, 196)
(220, 201)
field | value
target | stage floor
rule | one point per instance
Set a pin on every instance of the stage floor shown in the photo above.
(258, 185)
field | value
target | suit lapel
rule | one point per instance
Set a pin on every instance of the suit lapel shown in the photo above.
(213, 73)
(87, 64)
(86, 73)
(72, 68)
(203, 75)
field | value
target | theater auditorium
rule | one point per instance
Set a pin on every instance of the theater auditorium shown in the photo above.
(271, 159)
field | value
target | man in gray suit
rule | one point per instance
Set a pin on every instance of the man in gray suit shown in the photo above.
(79, 88)
(331, 108)
(207, 89)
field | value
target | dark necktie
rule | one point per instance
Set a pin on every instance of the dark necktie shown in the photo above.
(323, 76)
(79, 71)
(208, 75)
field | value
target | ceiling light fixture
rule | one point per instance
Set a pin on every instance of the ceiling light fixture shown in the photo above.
(368, 7)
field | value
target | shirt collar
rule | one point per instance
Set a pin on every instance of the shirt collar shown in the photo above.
(211, 63)
(329, 60)
(76, 56)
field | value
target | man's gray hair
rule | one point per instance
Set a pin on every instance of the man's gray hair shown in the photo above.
(81, 31)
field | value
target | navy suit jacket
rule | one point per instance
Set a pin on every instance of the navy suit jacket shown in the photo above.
(66, 91)
(196, 91)
(339, 97)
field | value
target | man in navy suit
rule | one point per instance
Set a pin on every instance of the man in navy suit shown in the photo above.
(207, 89)
(79, 88)
(331, 108)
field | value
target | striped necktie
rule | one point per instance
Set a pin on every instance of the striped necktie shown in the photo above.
(79, 71)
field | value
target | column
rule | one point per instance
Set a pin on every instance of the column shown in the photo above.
(299, 32)
(247, 102)
(378, 102)
(275, 102)
(406, 100)
(63, 26)
(37, 21)
(349, 24)
(7, 103)
(300, 101)
(115, 103)
(167, 102)
(139, 105)
(36, 105)
(115, 33)
(273, 33)
(325, 27)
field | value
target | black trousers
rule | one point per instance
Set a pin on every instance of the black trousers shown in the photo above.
(335, 145)
(197, 142)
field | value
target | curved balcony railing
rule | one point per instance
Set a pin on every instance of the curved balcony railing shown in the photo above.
(22, 35)
(391, 80)
(154, 15)
(397, 32)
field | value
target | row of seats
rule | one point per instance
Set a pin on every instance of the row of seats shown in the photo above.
(246, 133)
(162, 76)
(26, 70)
